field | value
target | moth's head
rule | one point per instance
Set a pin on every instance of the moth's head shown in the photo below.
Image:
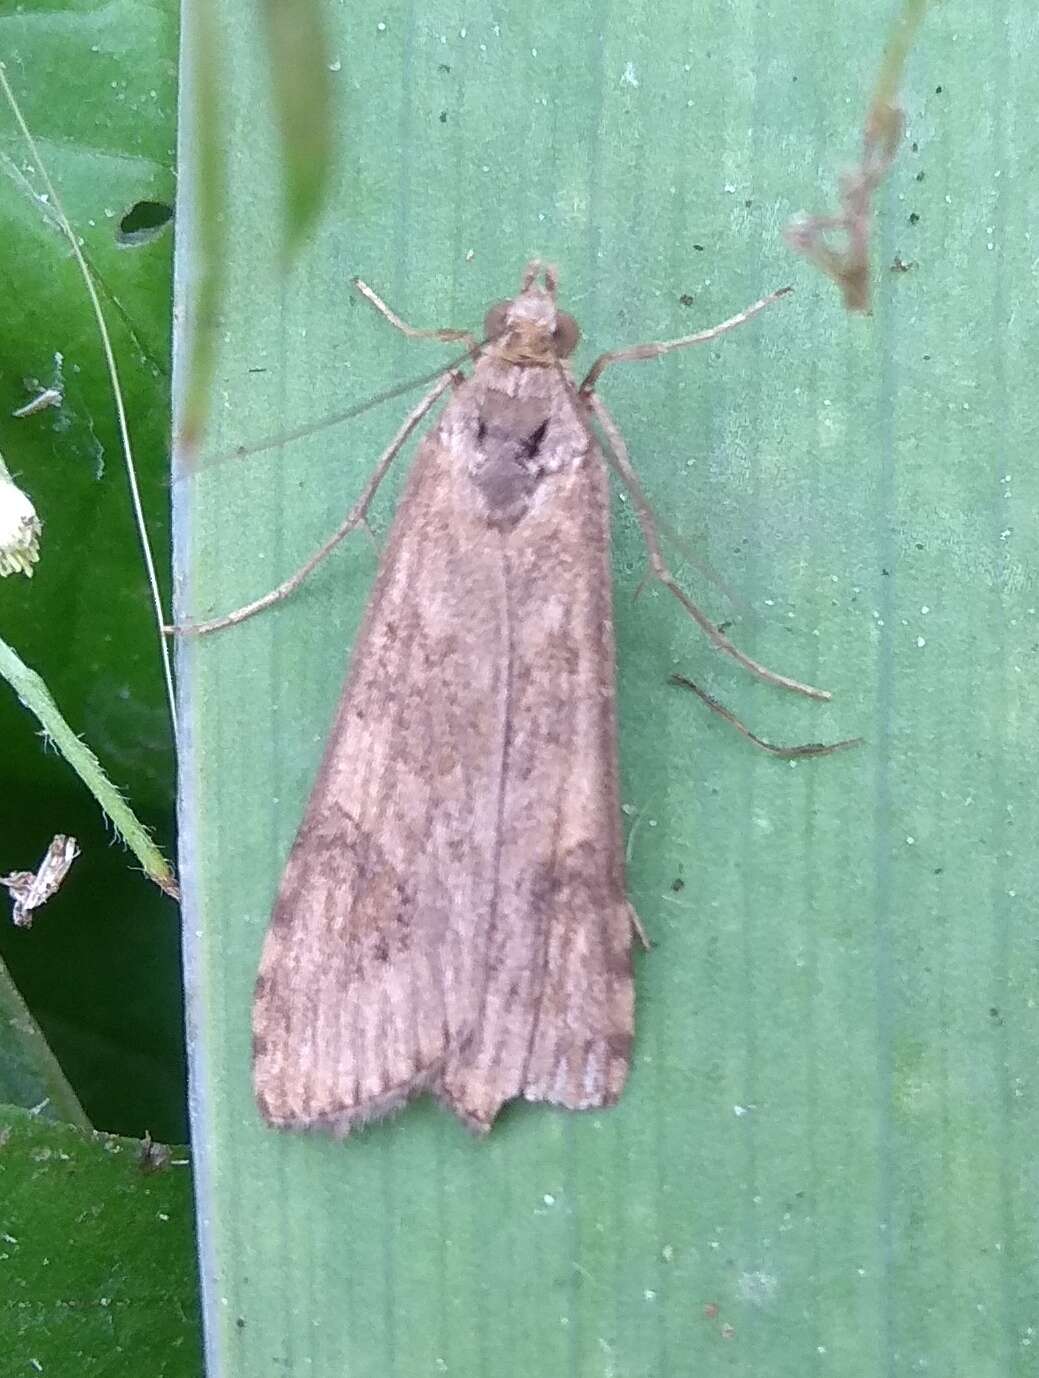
(528, 330)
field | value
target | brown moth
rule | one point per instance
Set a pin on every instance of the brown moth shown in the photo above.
(452, 917)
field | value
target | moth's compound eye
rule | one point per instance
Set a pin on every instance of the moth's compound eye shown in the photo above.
(567, 333)
(494, 321)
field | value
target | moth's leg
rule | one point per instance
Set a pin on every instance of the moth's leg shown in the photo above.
(654, 351)
(638, 930)
(786, 753)
(622, 463)
(412, 333)
(355, 518)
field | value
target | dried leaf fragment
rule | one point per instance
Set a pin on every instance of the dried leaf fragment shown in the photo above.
(31, 889)
(847, 263)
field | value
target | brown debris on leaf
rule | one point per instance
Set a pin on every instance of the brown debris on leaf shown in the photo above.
(847, 263)
(31, 889)
(809, 234)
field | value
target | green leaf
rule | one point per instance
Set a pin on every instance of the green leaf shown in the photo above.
(33, 695)
(97, 1251)
(822, 1160)
(100, 970)
(29, 1072)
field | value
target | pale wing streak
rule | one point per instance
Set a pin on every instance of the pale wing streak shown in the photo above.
(357, 1052)
(372, 1024)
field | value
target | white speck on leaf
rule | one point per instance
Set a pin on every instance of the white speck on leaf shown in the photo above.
(758, 1287)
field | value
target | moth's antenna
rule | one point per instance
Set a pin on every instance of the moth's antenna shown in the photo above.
(333, 418)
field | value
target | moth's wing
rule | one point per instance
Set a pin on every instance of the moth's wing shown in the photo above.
(556, 1011)
(367, 975)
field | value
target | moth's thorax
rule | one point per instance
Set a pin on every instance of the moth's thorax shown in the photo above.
(511, 431)
(516, 427)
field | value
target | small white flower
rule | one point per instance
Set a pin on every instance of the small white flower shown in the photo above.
(20, 529)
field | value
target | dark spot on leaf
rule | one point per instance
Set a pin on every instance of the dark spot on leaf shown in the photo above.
(143, 222)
